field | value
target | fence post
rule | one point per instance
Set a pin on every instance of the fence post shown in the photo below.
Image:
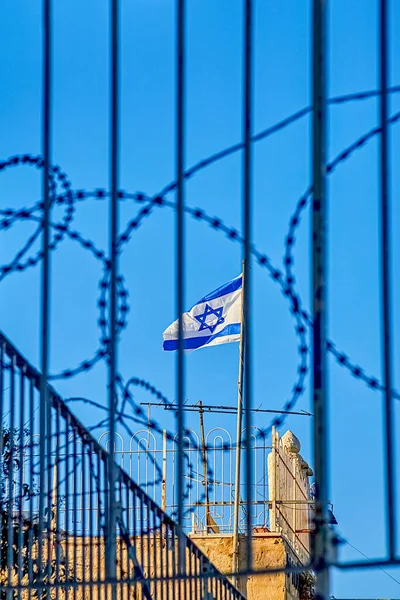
(294, 509)
(164, 473)
(273, 480)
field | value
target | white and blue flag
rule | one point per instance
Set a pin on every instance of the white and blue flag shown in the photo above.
(215, 319)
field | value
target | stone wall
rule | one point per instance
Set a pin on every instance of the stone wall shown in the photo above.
(289, 493)
(270, 551)
(86, 560)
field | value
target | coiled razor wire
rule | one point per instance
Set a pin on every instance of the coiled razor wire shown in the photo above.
(286, 279)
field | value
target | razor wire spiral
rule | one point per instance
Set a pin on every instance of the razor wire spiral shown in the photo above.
(68, 199)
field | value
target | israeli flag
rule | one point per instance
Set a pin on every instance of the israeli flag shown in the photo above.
(215, 319)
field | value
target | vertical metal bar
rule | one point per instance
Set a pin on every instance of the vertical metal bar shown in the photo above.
(319, 297)
(135, 540)
(128, 527)
(180, 262)
(189, 570)
(147, 450)
(106, 494)
(203, 570)
(45, 299)
(273, 486)
(247, 227)
(100, 531)
(114, 167)
(163, 568)
(192, 562)
(67, 495)
(11, 490)
(92, 475)
(148, 565)
(31, 459)
(203, 580)
(2, 479)
(50, 486)
(173, 561)
(121, 555)
(21, 471)
(208, 581)
(167, 554)
(83, 518)
(141, 517)
(294, 497)
(156, 566)
(204, 459)
(57, 500)
(235, 557)
(74, 504)
(386, 275)
(164, 473)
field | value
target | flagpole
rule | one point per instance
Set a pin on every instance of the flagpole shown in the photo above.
(235, 564)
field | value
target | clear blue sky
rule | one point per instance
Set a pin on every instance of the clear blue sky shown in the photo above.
(281, 174)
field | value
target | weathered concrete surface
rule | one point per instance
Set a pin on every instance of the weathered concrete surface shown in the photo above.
(270, 551)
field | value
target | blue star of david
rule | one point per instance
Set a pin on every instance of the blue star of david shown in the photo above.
(202, 319)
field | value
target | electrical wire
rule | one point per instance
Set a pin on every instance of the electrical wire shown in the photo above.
(368, 558)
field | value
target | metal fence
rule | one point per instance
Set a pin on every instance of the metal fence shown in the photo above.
(52, 414)
(147, 453)
(282, 492)
(149, 458)
(64, 553)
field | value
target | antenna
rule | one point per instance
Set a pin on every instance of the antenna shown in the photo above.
(224, 409)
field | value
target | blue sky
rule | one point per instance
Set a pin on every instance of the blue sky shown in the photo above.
(281, 175)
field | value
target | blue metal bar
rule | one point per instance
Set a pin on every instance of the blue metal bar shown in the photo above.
(180, 264)
(100, 531)
(2, 399)
(385, 276)
(45, 299)
(75, 463)
(319, 297)
(114, 168)
(85, 492)
(92, 534)
(50, 473)
(135, 535)
(10, 473)
(67, 446)
(31, 459)
(247, 232)
(21, 448)
(56, 500)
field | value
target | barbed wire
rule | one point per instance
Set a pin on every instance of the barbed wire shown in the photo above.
(56, 176)
(286, 279)
(288, 261)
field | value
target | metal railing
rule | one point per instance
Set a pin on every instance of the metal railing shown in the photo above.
(58, 555)
(146, 454)
(282, 494)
